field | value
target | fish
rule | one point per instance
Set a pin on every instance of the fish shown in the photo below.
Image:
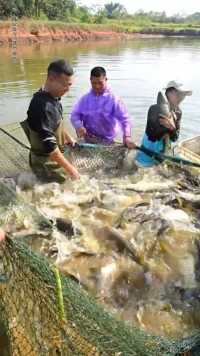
(16, 214)
(129, 239)
(120, 280)
(144, 213)
(67, 227)
(118, 241)
(147, 186)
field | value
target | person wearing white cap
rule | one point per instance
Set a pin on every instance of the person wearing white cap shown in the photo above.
(163, 122)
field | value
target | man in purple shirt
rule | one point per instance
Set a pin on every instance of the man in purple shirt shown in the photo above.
(99, 115)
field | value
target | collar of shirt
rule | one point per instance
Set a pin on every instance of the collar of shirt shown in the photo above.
(105, 92)
(43, 90)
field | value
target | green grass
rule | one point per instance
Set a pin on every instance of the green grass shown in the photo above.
(120, 26)
(29, 23)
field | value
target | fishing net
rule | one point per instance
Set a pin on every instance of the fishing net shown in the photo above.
(14, 154)
(14, 157)
(89, 157)
(43, 313)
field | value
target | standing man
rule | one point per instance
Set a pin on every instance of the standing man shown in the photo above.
(44, 126)
(99, 115)
(163, 122)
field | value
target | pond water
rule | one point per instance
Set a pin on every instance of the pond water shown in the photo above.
(137, 70)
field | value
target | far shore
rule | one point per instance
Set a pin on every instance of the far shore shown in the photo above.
(28, 32)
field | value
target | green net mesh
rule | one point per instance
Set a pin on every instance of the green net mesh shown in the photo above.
(30, 308)
(44, 314)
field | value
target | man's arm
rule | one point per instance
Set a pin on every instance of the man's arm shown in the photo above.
(50, 144)
(57, 156)
(123, 118)
(76, 119)
(46, 127)
(175, 135)
(2, 235)
(69, 139)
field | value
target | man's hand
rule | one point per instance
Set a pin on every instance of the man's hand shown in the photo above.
(59, 158)
(2, 235)
(168, 123)
(69, 140)
(73, 173)
(128, 143)
(82, 132)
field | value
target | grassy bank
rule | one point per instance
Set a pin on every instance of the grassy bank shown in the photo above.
(148, 27)
(54, 25)
(112, 25)
(31, 31)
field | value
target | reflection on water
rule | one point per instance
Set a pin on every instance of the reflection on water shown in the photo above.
(137, 69)
(131, 243)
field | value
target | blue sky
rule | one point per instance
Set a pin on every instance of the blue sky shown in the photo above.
(170, 6)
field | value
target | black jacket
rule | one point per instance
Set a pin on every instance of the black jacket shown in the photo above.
(44, 117)
(154, 130)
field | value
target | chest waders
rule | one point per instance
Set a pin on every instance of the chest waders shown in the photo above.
(41, 164)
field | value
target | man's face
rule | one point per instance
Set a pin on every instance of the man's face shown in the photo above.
(174, 98)
(98, 84)
(61, 84)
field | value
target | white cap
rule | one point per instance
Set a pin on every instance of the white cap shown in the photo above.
(177, 86)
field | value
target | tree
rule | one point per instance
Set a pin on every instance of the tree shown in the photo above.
(59, 9)
(27, 8)
(194, 18)
(5, 9)
(38, 6)
(19, 8)
(9, 8)
(100, 17)
(83, 14)
(114, 10)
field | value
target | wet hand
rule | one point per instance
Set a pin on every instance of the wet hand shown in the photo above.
(2, 235)
(82, 132)
(128, 143)
(167, 122)
(74, 173)
(70, 141)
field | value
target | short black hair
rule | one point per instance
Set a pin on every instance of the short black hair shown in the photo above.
(60, 66)
(98, 72)
(170, 90)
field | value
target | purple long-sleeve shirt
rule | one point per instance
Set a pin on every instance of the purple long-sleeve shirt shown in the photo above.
(102, 115)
